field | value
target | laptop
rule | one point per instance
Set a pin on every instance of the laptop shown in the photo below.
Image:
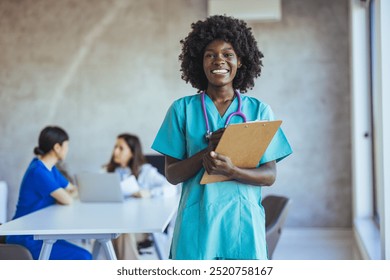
(99, 187)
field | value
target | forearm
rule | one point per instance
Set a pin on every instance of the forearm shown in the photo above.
(72, 190)
(62, 196)
(218, 164)
(178, 171)
(264, 175)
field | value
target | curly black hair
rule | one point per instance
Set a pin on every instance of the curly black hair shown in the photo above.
(230, 30)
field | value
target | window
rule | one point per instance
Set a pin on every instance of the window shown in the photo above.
(372, 55)
(370, 45)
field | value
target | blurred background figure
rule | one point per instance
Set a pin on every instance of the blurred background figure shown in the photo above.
(139, 179)
(44, 185)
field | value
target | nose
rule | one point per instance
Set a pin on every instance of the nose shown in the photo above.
(219, 60)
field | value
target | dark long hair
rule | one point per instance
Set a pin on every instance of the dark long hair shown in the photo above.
(138, 158)
(48, 137)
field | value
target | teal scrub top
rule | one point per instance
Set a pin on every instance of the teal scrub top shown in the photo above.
(223, 220)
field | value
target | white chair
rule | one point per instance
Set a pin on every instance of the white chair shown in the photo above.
(3, 202)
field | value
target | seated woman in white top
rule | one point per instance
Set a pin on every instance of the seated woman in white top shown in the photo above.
(138, 179)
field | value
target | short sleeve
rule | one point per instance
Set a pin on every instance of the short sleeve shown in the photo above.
(170, 139)
(279, 148)
(49, 181)
(61, 180)
(150, 178)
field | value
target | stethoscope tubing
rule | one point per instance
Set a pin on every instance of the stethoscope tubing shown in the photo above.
(237, 113)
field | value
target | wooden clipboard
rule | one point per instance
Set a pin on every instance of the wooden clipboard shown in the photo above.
(244, 144)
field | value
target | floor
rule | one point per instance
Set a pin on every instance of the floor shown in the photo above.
(296, 244)
(317, 244)
(308, 244)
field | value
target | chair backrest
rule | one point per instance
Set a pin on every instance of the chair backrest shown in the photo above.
(276, 210)
(14, 252)
(157, 161)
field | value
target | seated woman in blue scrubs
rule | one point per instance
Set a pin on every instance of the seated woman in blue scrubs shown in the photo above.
(43, 185)
(224, 220)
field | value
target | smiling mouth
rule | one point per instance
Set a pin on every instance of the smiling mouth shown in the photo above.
(220, 71)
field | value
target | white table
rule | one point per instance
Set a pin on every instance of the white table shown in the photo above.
(100, 221)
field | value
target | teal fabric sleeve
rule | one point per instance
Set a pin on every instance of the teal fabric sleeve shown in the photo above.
(279, 148)
(170, 139)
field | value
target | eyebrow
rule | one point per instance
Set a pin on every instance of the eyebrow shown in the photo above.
(224, 49)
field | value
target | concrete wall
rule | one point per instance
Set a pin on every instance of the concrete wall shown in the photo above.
(100, 68)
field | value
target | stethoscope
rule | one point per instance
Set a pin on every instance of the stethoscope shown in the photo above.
(238, 113)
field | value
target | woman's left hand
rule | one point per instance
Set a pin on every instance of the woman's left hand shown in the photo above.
(72, 190)
(142, 194)
(218, 164)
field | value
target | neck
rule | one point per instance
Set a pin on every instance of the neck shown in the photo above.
(49, 160)
(221, 95)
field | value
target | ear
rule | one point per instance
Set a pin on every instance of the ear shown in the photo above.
(57, 147)
(239, 63)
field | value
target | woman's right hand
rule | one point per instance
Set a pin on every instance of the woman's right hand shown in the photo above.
(177, 171)
(214, 139)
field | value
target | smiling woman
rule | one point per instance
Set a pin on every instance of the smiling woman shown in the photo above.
(222, 220)
(220, 63)
(240, 44)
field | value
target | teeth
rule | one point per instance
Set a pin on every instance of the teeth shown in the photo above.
(221, 71)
